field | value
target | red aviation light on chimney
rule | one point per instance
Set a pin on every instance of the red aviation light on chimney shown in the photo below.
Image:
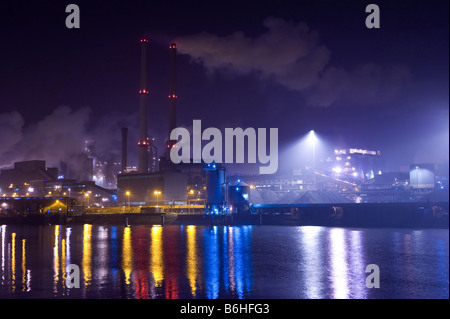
(172, 96)
(172, 46)
(144, 91)
(144, 40)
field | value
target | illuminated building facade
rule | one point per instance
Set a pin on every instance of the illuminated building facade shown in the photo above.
(357, 163)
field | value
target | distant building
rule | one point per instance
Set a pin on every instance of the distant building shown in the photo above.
(171, 185)
(357, 163)
(27, 172)
(422, 176)
(87, 193)
(34, 179)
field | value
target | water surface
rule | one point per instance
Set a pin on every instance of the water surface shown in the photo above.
(222, 262)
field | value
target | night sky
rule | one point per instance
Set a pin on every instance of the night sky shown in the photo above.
(294, 65)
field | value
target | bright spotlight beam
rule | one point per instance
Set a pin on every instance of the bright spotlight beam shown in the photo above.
(312, 140)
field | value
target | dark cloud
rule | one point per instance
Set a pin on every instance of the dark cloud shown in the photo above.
(369, 84)
(60, 136)
(287, 53)
(291, 55)
(11, 129)
(56, 137)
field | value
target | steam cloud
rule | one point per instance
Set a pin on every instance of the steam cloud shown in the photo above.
(290, 54)
(60, 136)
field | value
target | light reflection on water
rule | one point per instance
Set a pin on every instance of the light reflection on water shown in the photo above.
(221, 262)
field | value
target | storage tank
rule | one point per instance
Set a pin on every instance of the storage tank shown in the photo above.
(421, 176)
(215, 178)
(239, 196)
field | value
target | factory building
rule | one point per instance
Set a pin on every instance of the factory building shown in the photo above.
(422, 176)
(30, 179)
(157, 181)
(238, 196)
(357, 163)
(166, 187)
(216, 189)
(27, 172)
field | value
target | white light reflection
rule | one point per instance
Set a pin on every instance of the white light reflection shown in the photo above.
(358, 266)
(68, 233)
(28, 280)
(231, 272)
(338, 256)
(309, 239)
(56, 259)
(102, 255)
(3, 230)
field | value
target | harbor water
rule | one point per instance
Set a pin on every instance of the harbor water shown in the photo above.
(210, 262)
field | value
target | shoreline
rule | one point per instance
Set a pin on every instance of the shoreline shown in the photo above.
(134, 219)
(400, 215)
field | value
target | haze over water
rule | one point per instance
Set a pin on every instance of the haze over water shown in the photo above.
(222, 262)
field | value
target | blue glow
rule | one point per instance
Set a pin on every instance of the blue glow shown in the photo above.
(442, 264)
(239, 262)
(114, 262)
(226, 260)
(212, 264)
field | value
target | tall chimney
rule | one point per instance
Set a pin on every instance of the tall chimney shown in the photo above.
(124, 148)
(172, 97)
(143, 96)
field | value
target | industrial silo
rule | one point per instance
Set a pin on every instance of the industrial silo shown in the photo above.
(215, 188)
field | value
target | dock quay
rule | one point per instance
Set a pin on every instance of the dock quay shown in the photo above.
(344, 215)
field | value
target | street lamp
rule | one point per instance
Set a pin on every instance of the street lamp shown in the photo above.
(191, 192)
(87, 196)
(157, 193)
(129, 206)
(312, 140)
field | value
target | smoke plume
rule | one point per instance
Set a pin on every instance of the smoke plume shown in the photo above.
(291, 55)
(60, 136)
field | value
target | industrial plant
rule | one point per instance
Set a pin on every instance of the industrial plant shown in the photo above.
(159, 186)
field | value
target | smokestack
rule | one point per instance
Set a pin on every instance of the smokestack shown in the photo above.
(143, 96)
(172, 96)
(124, 148)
